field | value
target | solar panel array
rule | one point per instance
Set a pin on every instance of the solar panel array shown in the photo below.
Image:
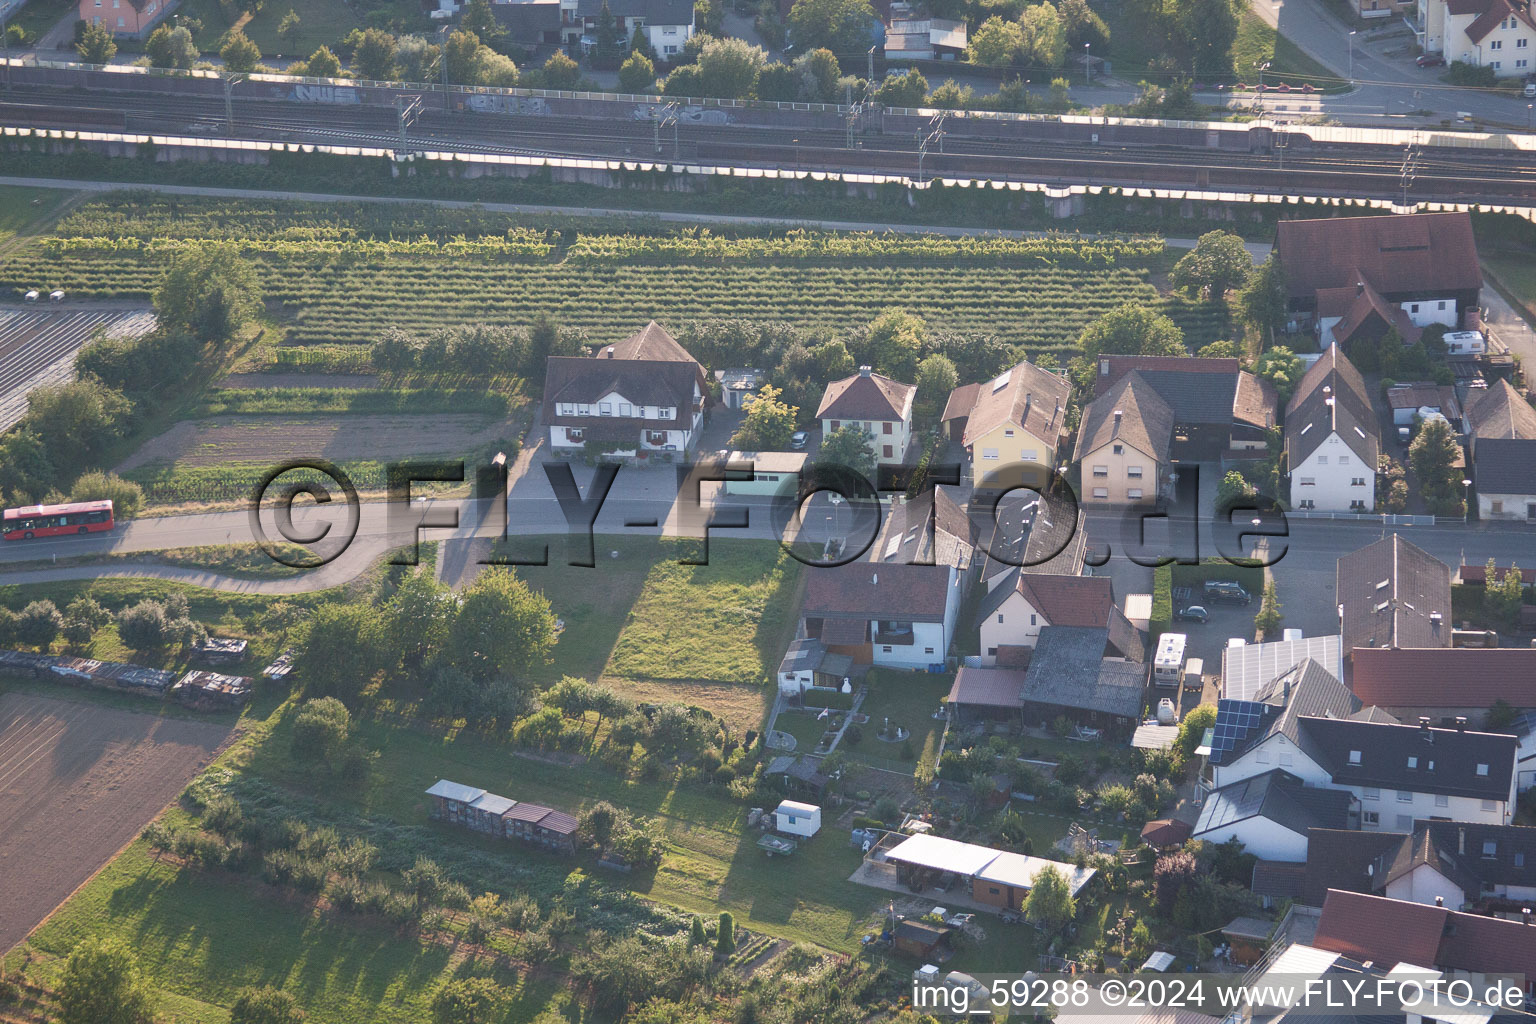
(1235, 719)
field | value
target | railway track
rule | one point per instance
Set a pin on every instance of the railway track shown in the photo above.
(976, 148)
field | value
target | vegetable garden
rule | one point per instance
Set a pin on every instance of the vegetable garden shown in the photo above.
(340, 275)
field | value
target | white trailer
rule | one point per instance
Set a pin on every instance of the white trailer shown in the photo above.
(1168, 665)
(1465, 343)
(797, 819)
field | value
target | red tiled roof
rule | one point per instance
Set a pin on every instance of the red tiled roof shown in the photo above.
(654, 343)
(1496, 12)
(1166, 832)
(1386, 932)
(988, 687)
(1463, 677)
(1069, 600)
(1479, 573)
(861, 397)
(960, 402)
(1030, 397)
(1256, 402)
(1390, 932)
(528, 812)
(1500, 411)
(1353, 304)
(1146, 423)
(1396, 253)
(887, 590)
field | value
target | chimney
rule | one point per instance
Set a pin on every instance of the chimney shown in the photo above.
(875, 579)
(1440, 901)
(1103, 367)
(1461, 841)
(1359, 287)
(608, 352)
(1461, 723)
(1119, 415)
(864, 371)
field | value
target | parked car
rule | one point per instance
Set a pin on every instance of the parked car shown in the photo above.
(1193, 613)
(798, 440)
(1226, 592)
(1431, 60)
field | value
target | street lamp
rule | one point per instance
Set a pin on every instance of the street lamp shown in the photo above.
(1466, 498)
(1528, 116)
(1351, 56)
(447, 103)
(1088, 63)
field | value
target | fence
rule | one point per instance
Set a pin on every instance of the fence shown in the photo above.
(1384, 518)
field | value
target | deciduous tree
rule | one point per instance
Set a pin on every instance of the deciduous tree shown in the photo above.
(1218, 261)
(101, 985)
(1132, 330)
(1433, 457)
(996, 43)
(502, 629)
(238, 53)
(850, 448)
(768, 424)
(265, 1005)
(842, 26)
(96, 45)
(373, 54)
(171, 47)
(936, 378)
(210, 290)
(1043, 36)
(1050, 904)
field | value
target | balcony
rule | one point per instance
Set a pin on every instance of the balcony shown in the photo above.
(890, 634)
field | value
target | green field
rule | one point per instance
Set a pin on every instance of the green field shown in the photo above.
(334, 282)
(20, 207)
(727, 621)
(321, 23)
(1257, 43)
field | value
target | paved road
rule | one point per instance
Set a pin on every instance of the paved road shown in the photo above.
(1389, 88)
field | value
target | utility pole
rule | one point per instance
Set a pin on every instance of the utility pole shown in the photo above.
(5, 42)
(934, 136)
(666, 117)
(443, 56)
(408, 110)
(871, 75)
(1282, 140)
(1410, 169)
(230, 81)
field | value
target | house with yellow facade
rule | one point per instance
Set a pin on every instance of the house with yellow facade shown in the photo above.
(1011, 426)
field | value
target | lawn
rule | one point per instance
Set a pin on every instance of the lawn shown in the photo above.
(321, 23)
(727, 621)
(713, 863)
(201, 937)
(1257, 43)
(39, 16)
(1516, 278)
(909, 700)
(21, 207)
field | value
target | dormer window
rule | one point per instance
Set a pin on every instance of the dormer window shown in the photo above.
(1413, 763)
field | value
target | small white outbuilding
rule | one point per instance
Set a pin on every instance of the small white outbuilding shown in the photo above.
(797, 819)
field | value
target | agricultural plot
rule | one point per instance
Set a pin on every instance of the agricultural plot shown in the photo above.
(77, 781)
(341, 284)
(222, 457)
(38, 347)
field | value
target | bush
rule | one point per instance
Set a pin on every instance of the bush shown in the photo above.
(826, 697)
(126, 496)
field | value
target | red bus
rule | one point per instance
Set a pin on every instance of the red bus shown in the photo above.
(54, 520)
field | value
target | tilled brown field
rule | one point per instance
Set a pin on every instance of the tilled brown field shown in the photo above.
(220, 440)
(77, 782)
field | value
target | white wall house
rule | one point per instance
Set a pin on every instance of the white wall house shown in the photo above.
(1395, 810)
(930, 638)
(1486, 33)
(1332, 440)
(1334, 477)
(613, 404)
(875, 404)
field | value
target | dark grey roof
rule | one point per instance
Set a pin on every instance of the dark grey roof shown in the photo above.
(1053, 543)
(1331, 397)
(1464, 847)
(655, 12)
(1392, 592)
(1345, 859)
(1069, 670)
(1505, 465)
(1279, 796)
(808, 653)
(528, 20)
(929, 529)
(1195, 397)
(1304, 689)
(1446, 761)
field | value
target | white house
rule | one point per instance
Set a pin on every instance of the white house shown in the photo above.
(667, 24)
(874, 403)
(1496, 34)
(1012, 615)
(1308, 725)
(643, 397)
(891, 614)
(797, 819)
(1501, 441)
(1270, 814)
(807, 663)
(1331, 438)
